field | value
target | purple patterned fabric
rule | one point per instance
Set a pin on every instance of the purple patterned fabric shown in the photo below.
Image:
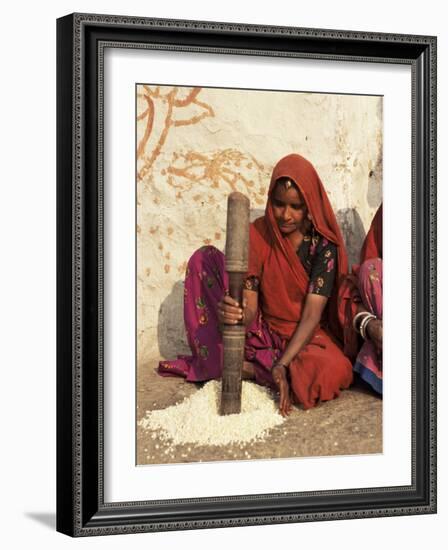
(206, 281)
(369, 363)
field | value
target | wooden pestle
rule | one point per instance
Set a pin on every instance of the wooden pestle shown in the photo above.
(237, 261)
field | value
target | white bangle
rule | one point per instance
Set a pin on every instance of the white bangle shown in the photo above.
(357, 316)
(364, 323)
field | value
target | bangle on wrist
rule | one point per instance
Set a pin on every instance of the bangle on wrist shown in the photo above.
(358, 320)
(364, 323)
(365, 326)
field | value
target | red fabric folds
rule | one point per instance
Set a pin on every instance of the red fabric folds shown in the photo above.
(273, 253)
(373, 243)
(349, 296)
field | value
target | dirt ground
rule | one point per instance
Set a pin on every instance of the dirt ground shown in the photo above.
(348, 425)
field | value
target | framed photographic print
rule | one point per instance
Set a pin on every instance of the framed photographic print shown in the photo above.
(246, 274)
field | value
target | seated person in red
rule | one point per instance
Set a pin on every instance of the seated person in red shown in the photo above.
(361, 308)
(296, 260)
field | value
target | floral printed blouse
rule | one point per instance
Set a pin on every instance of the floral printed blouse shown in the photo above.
(319, 258)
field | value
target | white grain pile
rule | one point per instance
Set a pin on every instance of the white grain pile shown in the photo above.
(196, 420)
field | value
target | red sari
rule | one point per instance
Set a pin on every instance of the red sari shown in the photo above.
(320, 370)
(364, 287)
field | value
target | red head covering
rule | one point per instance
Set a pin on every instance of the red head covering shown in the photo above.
(373, 243)
(274, 256)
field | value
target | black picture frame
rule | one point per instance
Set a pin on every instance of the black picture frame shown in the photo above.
(81, 509)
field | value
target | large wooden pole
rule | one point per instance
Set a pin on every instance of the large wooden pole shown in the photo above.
(237, 261)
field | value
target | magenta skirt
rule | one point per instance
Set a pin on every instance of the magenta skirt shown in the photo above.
(206, 281)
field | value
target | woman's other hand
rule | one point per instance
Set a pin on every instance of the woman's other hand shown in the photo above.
(375, 332)
(229, 311)
(281, 380)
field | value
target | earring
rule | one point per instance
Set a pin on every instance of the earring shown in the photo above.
(308, 223)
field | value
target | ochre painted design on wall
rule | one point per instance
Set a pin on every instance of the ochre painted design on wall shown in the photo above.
(172, 103)
(229, 170)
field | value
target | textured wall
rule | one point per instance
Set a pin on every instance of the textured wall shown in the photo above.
(195, 145)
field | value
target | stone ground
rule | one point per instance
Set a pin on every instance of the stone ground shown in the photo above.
(349, 425)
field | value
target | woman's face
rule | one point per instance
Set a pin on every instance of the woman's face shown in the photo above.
(289, 208)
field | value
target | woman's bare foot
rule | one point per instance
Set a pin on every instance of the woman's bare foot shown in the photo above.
(248, 372)
(280, 378)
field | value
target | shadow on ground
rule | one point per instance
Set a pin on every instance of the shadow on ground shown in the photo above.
(48, 519)
(348, 425)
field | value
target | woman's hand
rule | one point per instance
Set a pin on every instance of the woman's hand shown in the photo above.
(281, 380)
(375, 332)
(229, 311)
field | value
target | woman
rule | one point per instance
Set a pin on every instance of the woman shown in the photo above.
(296, 260)
(361, 308)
